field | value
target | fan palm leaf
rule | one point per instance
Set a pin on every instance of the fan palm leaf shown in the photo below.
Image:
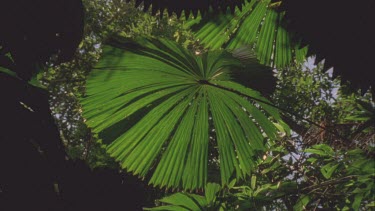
(258, 25)
(155, 104)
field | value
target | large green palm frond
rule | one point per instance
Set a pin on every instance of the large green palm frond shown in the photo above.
(257, 25)
(158, 106)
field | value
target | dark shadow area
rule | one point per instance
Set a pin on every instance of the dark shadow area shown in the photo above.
(341, 32)
(35, 173)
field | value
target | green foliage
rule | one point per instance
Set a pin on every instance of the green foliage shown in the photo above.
(287, 177)
(307, 92)
(186, 201)
(35, 80)
(66, 82)
(351, 172)
(158, 99)
(258, 25)
(8, 72)
(359, 111)
(303, 184)
(301, 203)
(259, 191)
(343, 119)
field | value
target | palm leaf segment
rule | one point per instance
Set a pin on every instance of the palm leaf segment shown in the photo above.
(258, 25)
(188, 6)
(157, 104)
(185, 201)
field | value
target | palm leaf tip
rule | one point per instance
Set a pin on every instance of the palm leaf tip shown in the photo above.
(189, 6)
(155, 105)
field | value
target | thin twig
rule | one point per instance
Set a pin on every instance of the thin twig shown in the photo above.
(330, 182)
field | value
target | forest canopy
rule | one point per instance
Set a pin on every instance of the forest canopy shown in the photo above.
(199, 105)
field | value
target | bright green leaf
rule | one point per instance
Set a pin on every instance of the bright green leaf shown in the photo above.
(327, 170)
(301, 203)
